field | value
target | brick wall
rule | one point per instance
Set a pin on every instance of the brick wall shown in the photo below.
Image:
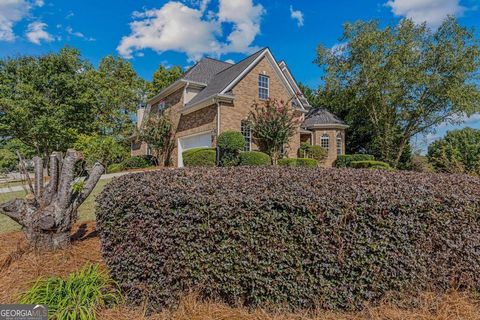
(246, 93)
(332, 150)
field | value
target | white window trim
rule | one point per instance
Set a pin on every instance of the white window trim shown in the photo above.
(325, 137)
(267, 87)
(244, 122)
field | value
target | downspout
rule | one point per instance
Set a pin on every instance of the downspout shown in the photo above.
(218, 133)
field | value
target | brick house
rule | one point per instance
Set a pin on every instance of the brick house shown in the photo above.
(215, 96)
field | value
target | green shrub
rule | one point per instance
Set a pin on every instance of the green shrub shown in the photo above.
(345, 160)
(315, 152)
(259, 236)
(298, 162)
(370, 164)
(231, 140)
(8, 161)
(115, 167)
(254, 158)
(77, 297)
(230, 144)
(136, 162)
(200, 157)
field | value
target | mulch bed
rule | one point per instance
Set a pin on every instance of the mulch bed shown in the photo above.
(20, 267)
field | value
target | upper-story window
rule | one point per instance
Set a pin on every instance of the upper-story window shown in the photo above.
(246, 130)
(161, 106)
(339, 144)
(325, 141)
(263, 87)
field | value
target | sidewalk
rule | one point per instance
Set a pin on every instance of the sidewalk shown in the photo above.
(24, 187)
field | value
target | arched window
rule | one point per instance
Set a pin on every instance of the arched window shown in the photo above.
(339, 143)
(246, 130)
(325, 141)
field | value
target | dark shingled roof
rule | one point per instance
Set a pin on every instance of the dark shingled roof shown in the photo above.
(204, 70)
(320, 116)
(223, 78)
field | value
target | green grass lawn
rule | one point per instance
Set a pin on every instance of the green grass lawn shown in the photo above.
(86, 211)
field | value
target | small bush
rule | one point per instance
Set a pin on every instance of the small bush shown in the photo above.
(296, 237)
(254, 158)
(231, 140)
(298, 162)
(315, 152)
(370, 164)
(115, 167)
(345, 160)
(77, 297)
(200, 157)
(136, 163)
(230, 144)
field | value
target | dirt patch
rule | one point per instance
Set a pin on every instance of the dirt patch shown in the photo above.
(19, 268)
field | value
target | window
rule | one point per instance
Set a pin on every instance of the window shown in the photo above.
(246, 131)
(339, 144)
(263, 87)
(161, 106)
(325, 141)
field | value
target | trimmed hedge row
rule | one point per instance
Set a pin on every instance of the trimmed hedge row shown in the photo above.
(298, 162)
(254, 158)
(345, 160)
(293, 237)
(370, 165)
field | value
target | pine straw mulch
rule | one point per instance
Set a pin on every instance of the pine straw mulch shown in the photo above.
(19, 268)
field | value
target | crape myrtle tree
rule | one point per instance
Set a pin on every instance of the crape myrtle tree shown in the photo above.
(157, 132)
(273, 123)
(48, 212)
(394, 83)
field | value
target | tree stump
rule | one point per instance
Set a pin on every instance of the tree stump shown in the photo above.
(49, 211)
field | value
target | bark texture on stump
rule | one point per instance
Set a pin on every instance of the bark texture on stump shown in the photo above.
(47, 214)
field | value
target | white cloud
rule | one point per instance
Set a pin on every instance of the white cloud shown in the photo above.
(230, 61)
(13, 11)
(36, 33)
(246, 23)
(178, 27)
(77, 34)
(297, 15)
(431, 11)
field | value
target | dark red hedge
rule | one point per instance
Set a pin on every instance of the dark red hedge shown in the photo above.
(295, 237)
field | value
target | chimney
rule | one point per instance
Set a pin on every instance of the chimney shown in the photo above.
(140, 114)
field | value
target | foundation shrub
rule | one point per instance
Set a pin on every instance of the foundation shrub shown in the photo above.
(294, 237)
(255, 158)
(298, 162)
(200, 157)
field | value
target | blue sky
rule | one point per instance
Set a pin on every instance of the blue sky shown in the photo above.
(150, 33)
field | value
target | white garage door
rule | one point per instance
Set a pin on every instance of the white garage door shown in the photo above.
(203, 140)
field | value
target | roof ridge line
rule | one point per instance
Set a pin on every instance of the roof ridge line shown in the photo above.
(241, 60)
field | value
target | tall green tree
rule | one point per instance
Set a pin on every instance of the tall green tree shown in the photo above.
(45, 101)
(163, 77)
(117, 91)
(457, 152)
(393, 83)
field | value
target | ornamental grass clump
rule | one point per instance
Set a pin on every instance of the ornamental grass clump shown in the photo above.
(78, 297)
(290, 237)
